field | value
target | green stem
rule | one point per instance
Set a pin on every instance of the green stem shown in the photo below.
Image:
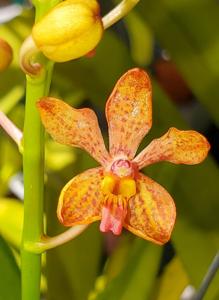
(118, 12)
(33, 165)
(47, 242)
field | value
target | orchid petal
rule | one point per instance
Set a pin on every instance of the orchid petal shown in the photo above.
(151, 213)
(80, 199)
(75, 127)
(176, 146)
(129, 112)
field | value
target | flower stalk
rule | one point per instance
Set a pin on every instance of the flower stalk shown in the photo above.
(6, 55)
(122, 9)
(47, 242)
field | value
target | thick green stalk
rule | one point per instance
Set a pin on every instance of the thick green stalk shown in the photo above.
(33, 166)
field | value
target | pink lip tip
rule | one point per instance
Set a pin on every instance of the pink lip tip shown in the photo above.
(112, 220)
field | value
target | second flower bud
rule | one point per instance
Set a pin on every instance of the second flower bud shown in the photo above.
(6, 55)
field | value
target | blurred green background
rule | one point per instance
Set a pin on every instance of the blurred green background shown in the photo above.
(177, 42)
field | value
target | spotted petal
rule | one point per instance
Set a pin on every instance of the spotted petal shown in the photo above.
(151, 213)
(129, 112)
(75, 127)
(80, 200)
(176, 146)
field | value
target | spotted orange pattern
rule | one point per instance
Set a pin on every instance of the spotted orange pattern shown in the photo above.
(176, 146)
(148, 211)
(81, 199)
(151, 212)
(129, 112)
(75, 127)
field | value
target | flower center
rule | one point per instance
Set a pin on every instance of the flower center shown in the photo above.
(122, 168)
(118, 186)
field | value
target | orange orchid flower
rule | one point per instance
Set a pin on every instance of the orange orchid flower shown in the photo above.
(117, 193)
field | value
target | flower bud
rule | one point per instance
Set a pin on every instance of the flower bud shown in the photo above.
(6, 55)
(70, 30)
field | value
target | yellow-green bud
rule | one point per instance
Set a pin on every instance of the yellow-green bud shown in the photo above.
(70, 30)
(6, 55)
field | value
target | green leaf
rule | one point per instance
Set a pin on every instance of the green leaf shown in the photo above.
(10, 162)
(11, 98)
(9, 274)
(136, 280)
(191, 42)
(10, 158)
(77, 262)
(11, 216)
(165, 288)
(196, 248)
(118, 258)
(58, 156)
(141, 39)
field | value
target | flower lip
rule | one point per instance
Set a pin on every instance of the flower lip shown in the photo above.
(123, 168)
